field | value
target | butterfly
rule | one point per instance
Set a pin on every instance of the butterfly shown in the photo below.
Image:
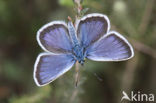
(65, 44)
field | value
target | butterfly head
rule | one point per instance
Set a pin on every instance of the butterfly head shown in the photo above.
(81, 62)
(79, 54)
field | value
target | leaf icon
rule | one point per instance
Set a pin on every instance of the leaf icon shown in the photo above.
(125, 96)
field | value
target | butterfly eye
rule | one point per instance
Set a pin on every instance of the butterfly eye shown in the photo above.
(81, 62)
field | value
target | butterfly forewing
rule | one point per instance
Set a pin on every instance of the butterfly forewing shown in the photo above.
(91, 27)
(112, 47)
(49, 67)
(54, 37)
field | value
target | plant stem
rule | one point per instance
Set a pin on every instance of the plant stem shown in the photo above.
(77, 74)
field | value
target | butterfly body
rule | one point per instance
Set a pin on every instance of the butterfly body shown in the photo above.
(64, 44)
(79, 54)
(77, 51)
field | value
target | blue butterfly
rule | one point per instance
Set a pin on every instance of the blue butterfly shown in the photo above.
(64, 44)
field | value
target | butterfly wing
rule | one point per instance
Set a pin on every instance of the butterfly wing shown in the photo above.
(54, 37)
(91, 27)
(111, 47)
(49, 67)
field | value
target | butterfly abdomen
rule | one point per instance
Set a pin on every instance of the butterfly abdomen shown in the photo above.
(78, 51)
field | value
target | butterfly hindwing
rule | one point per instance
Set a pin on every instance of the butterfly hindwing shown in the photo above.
(91, 27)
(54, 37)
(49, 67)
(111, 47)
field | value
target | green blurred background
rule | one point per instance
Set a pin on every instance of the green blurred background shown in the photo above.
(100, 82)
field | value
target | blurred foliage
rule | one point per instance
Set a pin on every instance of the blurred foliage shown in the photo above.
(39, 96)
(100, 82)
(67, 3)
